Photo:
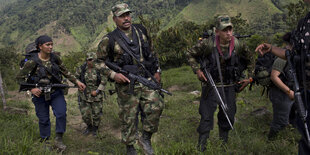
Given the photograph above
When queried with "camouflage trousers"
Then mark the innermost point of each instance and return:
(144, 100)
(91, 112)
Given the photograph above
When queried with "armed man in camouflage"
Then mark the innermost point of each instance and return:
(90, 100)
(111, 48)
(220, 54)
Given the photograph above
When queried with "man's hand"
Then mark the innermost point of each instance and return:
(157, 77)
(291, 94)
(80, 85)
(94, 93)
(244, 83)
(36, 92)
(200, 75)
(263, 48)
(120, 78)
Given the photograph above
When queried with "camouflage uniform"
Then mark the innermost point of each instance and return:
(91, 106)
(30, 71)
(148, 100)
(205, 50)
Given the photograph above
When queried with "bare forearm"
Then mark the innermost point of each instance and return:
(280, 52)
(278, 82)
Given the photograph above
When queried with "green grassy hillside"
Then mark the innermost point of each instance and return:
(81, 22)
(200, 11)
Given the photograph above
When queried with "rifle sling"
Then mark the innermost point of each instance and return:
(215, 52)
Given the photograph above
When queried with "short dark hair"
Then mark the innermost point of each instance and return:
(287, 37)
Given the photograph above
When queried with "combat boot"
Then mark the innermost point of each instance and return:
(272, 135)
(145, 143)
(46, 144)
(223, 134)
(202, 142)
(131, 150)
(59, 142)
(88, 130)
(94, 131)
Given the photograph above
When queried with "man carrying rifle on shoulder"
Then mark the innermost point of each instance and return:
(299, 60)
(222, 57)
(128, 52)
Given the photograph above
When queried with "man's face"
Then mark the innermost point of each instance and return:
(225, 34)
(123, 21)
(90, 63)
(46, 47)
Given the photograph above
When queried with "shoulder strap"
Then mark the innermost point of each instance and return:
(219, 70)
(83, 70)
(111, 44)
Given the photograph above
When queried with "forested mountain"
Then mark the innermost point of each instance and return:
(76, 25)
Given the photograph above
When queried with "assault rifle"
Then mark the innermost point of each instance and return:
(44, 87)
(136, 78)
(222, 104)
(297, 96)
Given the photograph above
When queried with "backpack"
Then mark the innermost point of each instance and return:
(30, 49)
(263, 68)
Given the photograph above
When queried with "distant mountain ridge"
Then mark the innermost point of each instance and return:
(77, 25)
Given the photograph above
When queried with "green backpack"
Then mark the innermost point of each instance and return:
(263, 67)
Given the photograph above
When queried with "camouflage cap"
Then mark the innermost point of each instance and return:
(222, 22)
(120, 9)
(91, 55)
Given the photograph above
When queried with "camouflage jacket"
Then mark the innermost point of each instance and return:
(205, 48)
(102, 52)
(91, 82)
(30, 65)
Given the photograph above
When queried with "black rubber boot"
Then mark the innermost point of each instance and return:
(131, 150)
(59, 142)
(202, 142)
(223, 134)
(88, 130)
(145, 142)
(272, 135)
(94, 131)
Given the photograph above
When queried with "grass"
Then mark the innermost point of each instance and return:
(19, 134)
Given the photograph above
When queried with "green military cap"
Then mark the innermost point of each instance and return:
(222, 22)
(120, 9)
(91, 56)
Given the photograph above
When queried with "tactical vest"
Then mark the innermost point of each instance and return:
(40, 72)
(82, 75)
(231, 67)
(286, 77)
(149, 60)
